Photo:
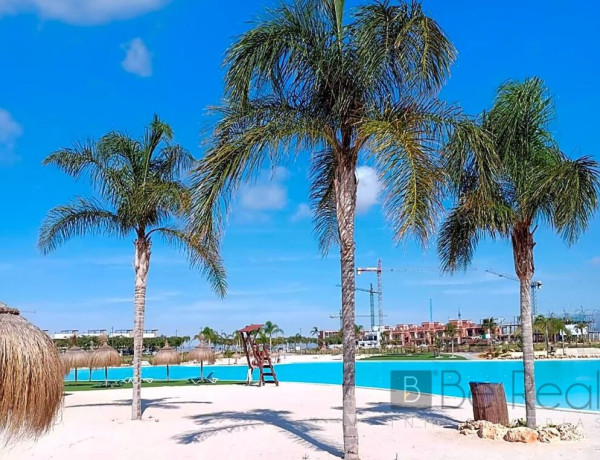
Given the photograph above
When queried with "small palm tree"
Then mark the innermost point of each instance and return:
(315, 333)
(358, 330)
(207, 334)
(305, 78)
(541, 325)
(271, 328)
(139, 193)
(508, 184)
(451, 330)
(580, 327)
(489, 325)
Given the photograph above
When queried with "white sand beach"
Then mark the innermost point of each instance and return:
(292, 421)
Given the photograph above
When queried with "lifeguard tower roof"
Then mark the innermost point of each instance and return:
(251, 328)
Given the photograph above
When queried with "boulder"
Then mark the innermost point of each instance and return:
(492, 431)
(548, 434)
(521, 434)
(570, 432)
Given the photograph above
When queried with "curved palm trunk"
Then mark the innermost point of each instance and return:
(141, 264)
(345, 194)
(522, 240)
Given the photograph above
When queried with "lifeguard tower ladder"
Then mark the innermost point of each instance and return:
(258, 356)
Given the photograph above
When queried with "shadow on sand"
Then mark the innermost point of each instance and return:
(381, 413)
(162, 403)
(303, 430)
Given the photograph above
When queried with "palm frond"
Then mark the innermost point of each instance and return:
(400, 49)
(202, 252)
(244, 139)
(323, 199)
(567, 193)
(81, 217)
(404, 141)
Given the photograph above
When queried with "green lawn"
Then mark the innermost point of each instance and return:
(413, 357)
(87, 386)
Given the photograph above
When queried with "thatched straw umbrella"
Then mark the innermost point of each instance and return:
(75, 358)
(167, 355)
(105, 356)
(202, 353)
(31, 378)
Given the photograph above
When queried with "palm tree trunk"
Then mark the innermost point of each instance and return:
(141, 264)
(270, 342)
(522, 240)
(345, 194)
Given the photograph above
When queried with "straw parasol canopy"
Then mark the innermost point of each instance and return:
(31, 378)
(105, 356)
(202, 354)
(166, 356)
(75, 358)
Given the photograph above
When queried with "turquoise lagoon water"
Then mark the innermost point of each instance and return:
(569, 384)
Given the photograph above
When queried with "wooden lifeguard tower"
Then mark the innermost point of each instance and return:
(258, 356)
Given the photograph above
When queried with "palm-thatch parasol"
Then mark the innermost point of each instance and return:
(75, 358)
(167, 355)
(105, 356)
(202, 353)
(31, 377)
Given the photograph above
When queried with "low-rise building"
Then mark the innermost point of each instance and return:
(65, 334)
(148, 333)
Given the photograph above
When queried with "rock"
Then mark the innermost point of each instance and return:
(548, 434)
(521, 434)
(570, 432)
(492, 431)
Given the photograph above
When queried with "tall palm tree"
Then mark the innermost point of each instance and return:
(506, 189)
(139, 192)
(339, 89)
(271, 328)
(451, 330)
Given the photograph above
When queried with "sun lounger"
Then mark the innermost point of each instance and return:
(130, 380)
(208, 379)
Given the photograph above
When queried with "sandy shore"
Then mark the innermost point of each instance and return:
(292, 421)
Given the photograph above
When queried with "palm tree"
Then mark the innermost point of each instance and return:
(358, 330)
(451, 331)
(540, 325)
(489, 325)
(580, 327)
(207, 334)
(509, 185)
(305, 79)
(139, 192)
(315, 332)
(271, 328)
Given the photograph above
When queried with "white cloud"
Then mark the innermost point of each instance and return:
(81, 12)
(267, 194)
(368, 188)
(303, 211)
(138, 60)
(10, 131)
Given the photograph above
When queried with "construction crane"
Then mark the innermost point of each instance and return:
(378, 270)
(535, 286)
(339, 315)
(371, 292)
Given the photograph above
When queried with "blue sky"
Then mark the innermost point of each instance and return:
(75, 70)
